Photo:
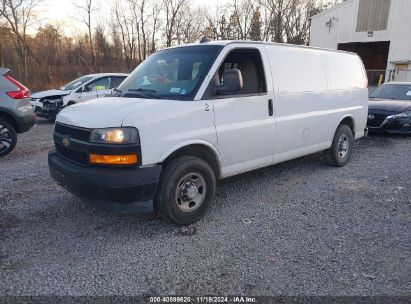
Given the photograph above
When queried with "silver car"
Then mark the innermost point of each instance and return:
(16, 113)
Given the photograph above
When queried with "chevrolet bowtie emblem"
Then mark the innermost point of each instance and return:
(66, 141)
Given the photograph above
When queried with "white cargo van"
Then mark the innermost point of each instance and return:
(193, 114)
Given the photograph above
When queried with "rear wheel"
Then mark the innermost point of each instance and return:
(186, 189)
(342, 146)
(8, 138)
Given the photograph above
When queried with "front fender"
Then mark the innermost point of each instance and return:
(189, 143)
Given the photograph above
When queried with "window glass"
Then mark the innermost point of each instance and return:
(116, 81)
(98, 85)
(75, 83)
(174, 73)
(249, 62)
(393, 91)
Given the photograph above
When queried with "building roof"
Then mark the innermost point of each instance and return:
(337, 6)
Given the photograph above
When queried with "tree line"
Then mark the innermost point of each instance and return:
(134, 30)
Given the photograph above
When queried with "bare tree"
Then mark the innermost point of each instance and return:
(155, 24)
(219, 26)
(190, 24)
(17, 15)
(138, 9)
(126, 25)
(171, 9)
(136, 29)
(87, 7)
(243, 13)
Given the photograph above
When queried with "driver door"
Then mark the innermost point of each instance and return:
(244, 121)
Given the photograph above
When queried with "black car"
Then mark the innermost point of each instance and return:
(389, 108)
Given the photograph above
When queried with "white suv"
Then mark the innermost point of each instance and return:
(47, 104)
(193, 114)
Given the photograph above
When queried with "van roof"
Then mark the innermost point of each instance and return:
(227, 42)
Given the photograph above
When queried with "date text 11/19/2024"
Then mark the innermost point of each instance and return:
(203, 299)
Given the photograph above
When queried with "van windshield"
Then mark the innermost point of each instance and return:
(171, 74)
(75, 83)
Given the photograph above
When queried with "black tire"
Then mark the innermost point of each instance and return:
(8, 138)
(342, 146)
(180, 179)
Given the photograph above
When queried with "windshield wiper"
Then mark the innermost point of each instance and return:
(134, 93)
(147, 93)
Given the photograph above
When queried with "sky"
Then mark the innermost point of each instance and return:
(64, 13)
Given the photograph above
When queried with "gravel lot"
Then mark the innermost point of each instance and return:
(296, 228)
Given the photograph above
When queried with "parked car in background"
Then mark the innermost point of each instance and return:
(16, 113)
(389, 108)
(48, 103)
(193, 114)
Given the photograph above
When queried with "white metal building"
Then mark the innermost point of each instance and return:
(377, 30)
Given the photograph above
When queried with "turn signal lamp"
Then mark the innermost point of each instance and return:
(129, 159)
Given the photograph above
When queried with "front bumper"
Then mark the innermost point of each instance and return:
(46, 109)
(119, 189)
(393, 127)
(390, 125)
(47, 112)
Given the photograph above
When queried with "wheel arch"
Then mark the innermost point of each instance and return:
(9, 117)
(349, 121)
(203, 150)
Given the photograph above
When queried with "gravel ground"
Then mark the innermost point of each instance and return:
(298, 228)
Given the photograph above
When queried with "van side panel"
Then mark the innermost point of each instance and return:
(347, 74)
(308, 108)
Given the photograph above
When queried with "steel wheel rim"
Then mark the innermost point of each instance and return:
(190, 192)
(343, 146)
(5, 138)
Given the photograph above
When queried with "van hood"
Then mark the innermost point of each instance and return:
(105, 112)
(49, 93)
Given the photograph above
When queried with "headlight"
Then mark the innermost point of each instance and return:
(126, 135)
(401, 115)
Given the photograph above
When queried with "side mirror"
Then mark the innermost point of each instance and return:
(232, 82)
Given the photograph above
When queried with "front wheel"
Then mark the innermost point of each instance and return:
(8, 138)
(186, 190)
(342, 146)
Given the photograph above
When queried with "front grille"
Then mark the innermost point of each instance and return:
(73, 132)
(73, 155)
(377, 120)
(81, 134)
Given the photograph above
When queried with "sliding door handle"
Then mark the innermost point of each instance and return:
(270, 107)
